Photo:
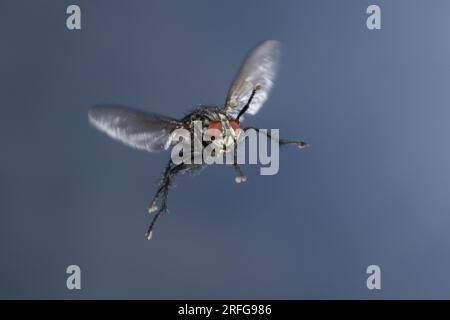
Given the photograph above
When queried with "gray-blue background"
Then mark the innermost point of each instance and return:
(372, 189)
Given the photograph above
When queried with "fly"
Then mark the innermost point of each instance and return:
(153, 132)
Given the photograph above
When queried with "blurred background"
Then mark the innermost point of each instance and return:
(372, 189)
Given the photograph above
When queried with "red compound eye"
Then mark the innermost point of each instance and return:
(235, 125)
(214, 129)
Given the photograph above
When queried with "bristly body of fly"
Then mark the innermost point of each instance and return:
(153, 132)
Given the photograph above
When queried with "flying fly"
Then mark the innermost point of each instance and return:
(153, 132)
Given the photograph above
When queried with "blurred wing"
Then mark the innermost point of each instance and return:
(259, 68)
(137, 129)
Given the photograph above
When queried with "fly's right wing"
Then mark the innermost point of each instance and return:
(258, 70)
(138, 129)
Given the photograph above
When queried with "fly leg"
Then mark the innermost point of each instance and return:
(165, 181)
(299, 143)
(162, 193)
(239, 175)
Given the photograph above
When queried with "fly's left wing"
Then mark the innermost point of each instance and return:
(138, 129)
(258, 71)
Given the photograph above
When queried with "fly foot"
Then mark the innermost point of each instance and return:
(240, 179)
(302, 145)
(152, 207)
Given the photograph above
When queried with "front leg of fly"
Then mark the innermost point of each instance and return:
(234, 132)
(299, 143)
(240, 177)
